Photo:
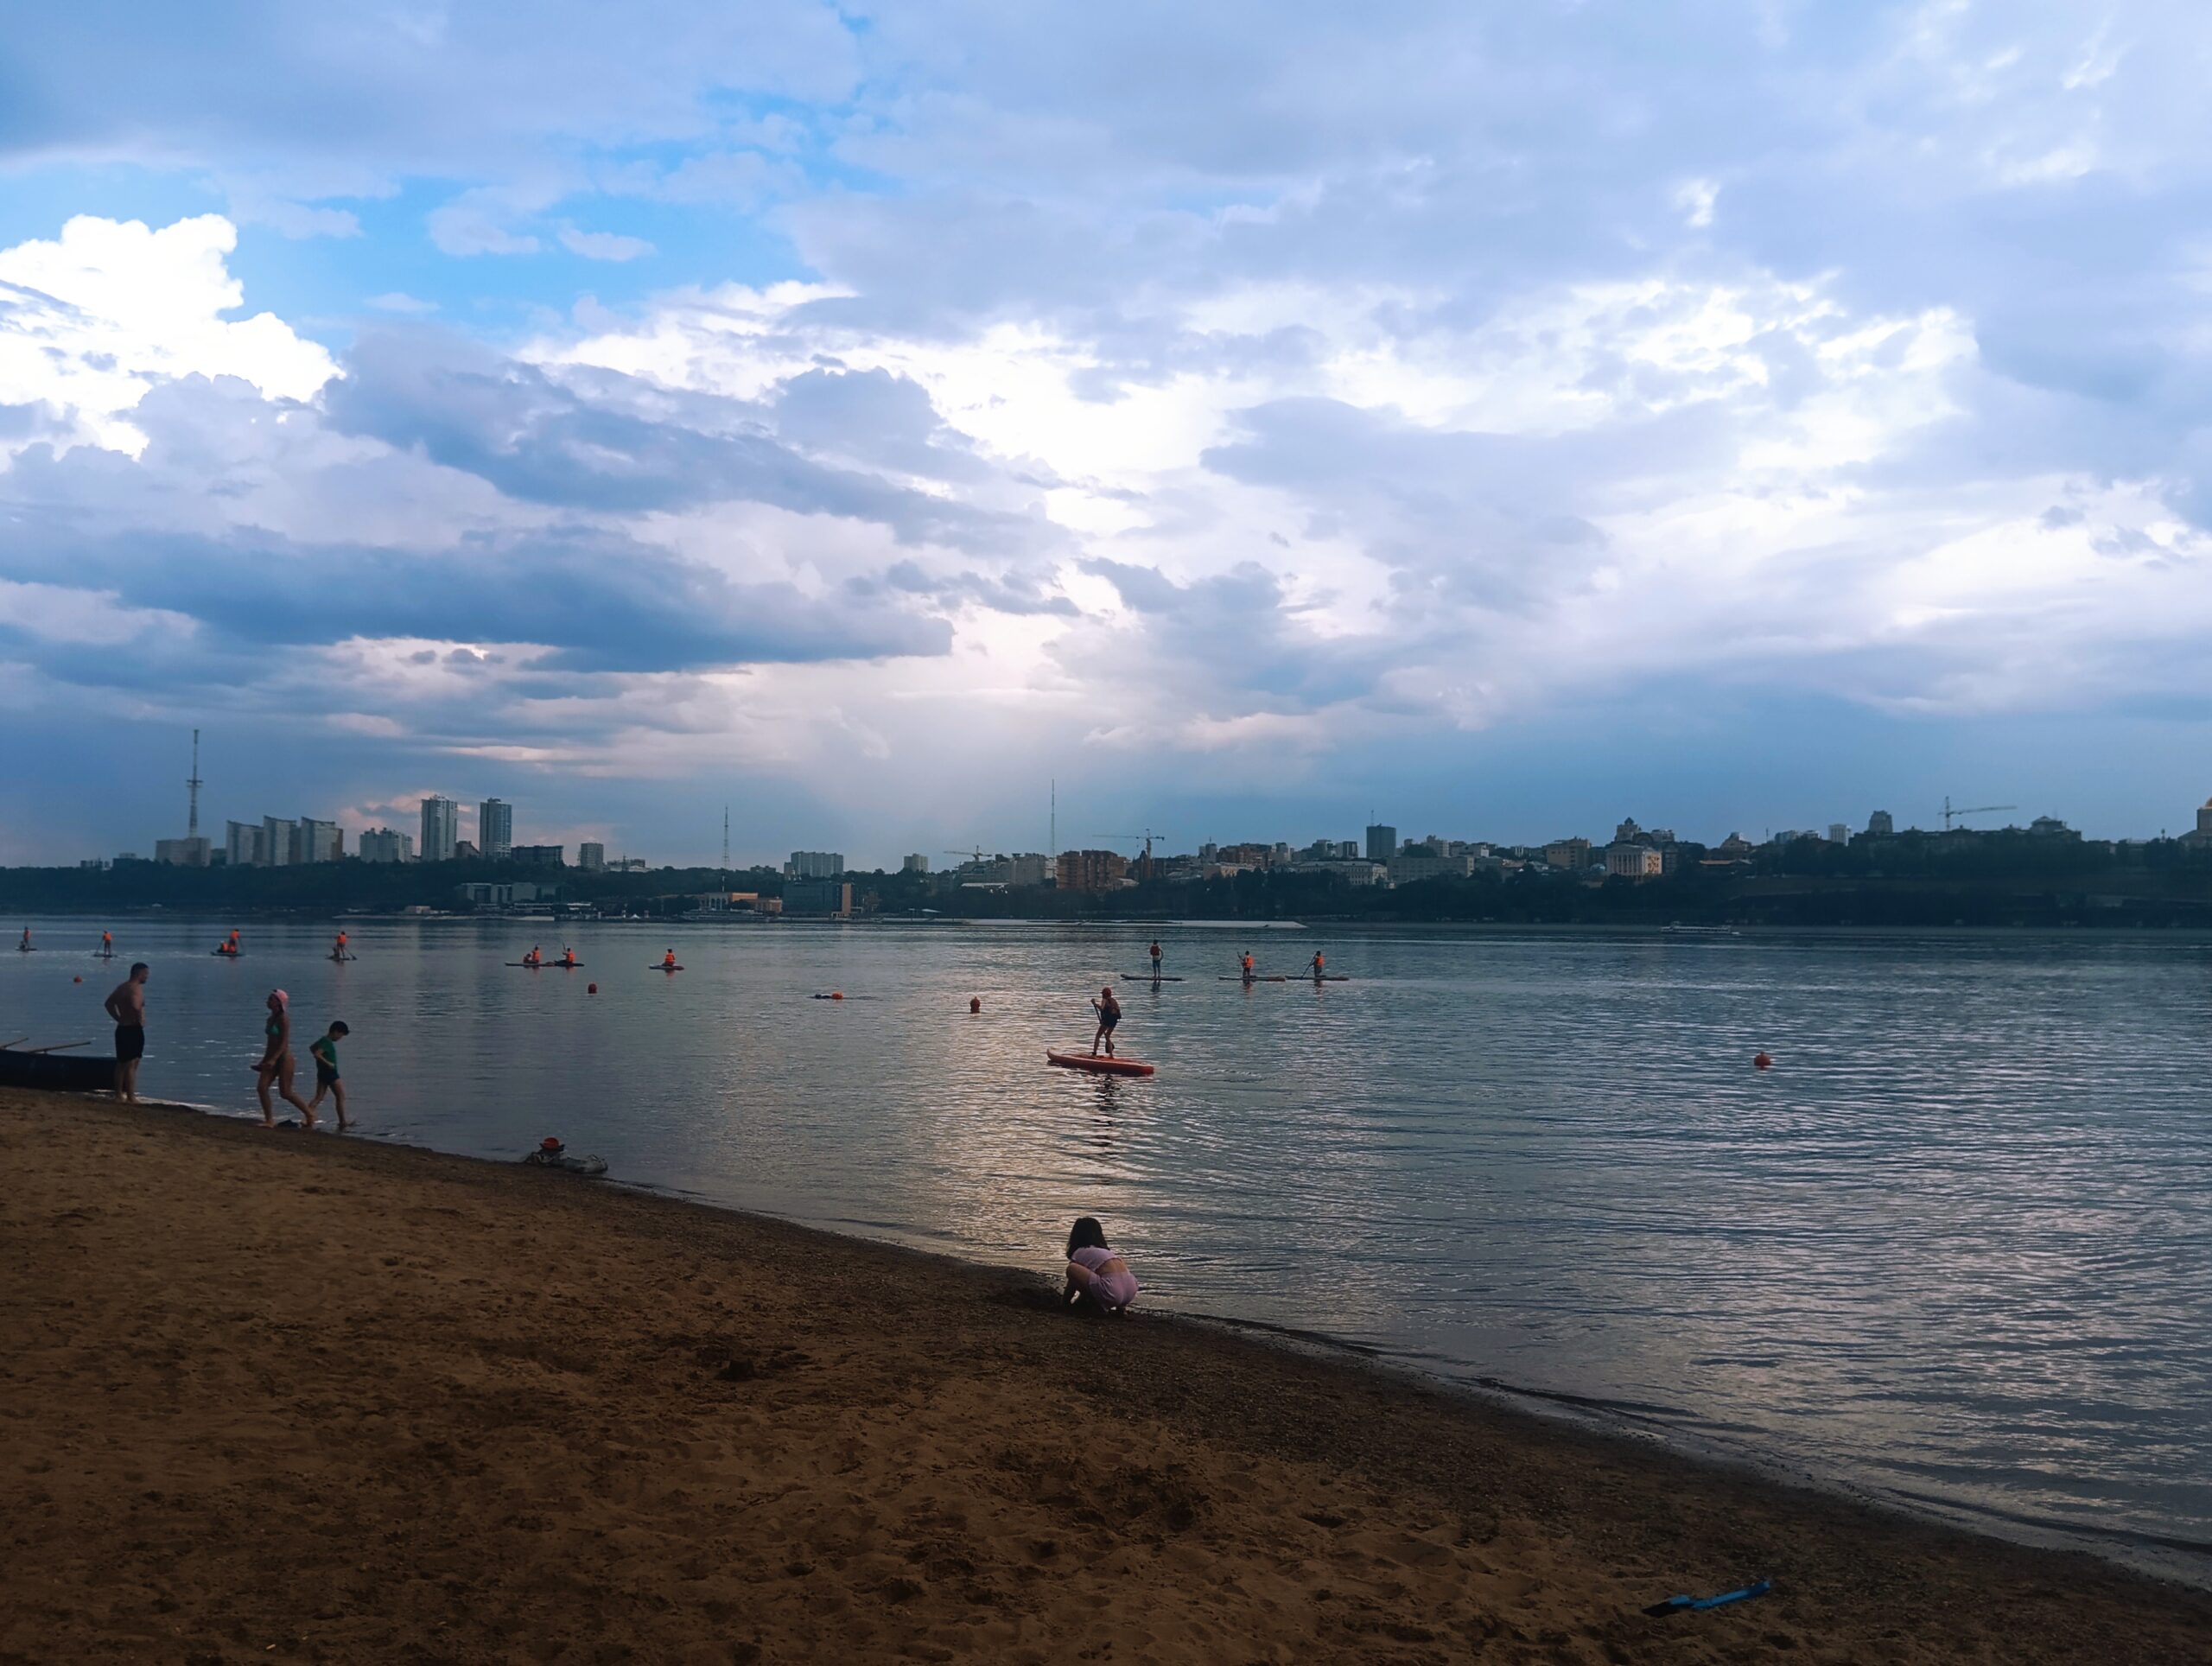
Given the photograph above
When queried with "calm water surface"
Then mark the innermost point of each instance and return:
(1954, 1249)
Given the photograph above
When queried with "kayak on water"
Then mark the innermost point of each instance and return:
(1149, 978)
(1105, 1064)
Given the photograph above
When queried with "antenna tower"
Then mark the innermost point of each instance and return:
(192, 790)
(1053, 838)
(725, 847)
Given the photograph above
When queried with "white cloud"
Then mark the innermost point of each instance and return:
(603, 246)
(397, 300)
(91, 321)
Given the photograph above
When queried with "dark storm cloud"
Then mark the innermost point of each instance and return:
(542, 440)
(598, 601)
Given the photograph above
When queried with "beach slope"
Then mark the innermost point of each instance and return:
(280, 1397)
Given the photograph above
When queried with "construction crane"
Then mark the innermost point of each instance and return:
(1147, 836)
(976, 855)
(1951, 815)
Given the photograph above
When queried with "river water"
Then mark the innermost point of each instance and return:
(1954, 1249)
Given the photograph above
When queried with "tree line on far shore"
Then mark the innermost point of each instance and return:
(1980, 880)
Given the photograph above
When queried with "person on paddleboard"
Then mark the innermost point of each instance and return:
(1247, 965)
(107, 944)
(1109, 1014)
(1315, 967)
(25, 945)
(533, 958)
(668, 961)
(1155, 960)
(568, 956)
(338, 949)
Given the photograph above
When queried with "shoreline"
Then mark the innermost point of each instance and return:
(1236, 1477)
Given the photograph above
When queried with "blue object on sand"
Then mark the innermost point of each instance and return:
(1688, 1605)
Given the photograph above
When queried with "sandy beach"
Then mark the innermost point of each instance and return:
(270, 1396)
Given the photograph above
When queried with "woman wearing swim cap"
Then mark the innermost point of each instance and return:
(276, 1065)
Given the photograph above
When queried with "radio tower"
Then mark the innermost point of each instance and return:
(1053, 838)
(725, 853)
(192, 790)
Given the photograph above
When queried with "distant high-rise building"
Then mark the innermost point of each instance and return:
(277, 833)
(1839, 834)
(916, 863)
(1881, 825)
(819, 897)
(592, 857)
(1092, 870)
(242, 845)
(318, 841)
(182, 853)
(440, 828)
(540, 856)
(382, 844)
(495, 828)
(1382, 842)
(816, 864)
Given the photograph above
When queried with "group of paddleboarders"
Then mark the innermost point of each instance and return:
(568, 960)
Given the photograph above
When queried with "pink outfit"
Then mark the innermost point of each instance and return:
(1119, 1289)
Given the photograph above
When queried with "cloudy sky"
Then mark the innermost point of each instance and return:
(1736, 414)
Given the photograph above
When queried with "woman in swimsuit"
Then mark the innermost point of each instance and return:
(277, 1064)
(1096, 1275)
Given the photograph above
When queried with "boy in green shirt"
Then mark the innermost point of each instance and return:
(325, 1049)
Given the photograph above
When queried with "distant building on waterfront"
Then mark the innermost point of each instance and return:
(540, 856)
(382, 844)
(1570, 855)
(591, 857)
(440, 828)
(916, 863)
(830, 897)
(242, 845)
(1427, 863)
(464, 850)
(495, 828)
(278, 836)
(504, 894)
(1881, 825)
(317, 841)
(815, 864)
(1382, 842)
(1090, 871)
(1634, 861)
(1839, 834)
(182, 853)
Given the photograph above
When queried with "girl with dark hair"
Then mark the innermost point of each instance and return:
(1098, 1275)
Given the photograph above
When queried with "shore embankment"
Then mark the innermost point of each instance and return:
(274, 1396)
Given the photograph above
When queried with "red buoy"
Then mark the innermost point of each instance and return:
(974, 1003)
(591, 989)
(1760, 1061)
(76, 980)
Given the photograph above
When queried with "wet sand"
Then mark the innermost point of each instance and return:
(274, 1396)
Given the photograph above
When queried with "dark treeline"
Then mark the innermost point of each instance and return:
(1999, 879)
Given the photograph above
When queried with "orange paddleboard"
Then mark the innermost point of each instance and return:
(1099, 1062)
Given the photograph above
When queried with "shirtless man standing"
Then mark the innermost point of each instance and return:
(127, 1007)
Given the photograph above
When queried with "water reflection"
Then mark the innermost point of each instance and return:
(1954, 1245)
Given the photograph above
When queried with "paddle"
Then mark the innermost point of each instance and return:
(1690, 1605)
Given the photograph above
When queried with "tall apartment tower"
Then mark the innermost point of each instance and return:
(441, 829)
(1382, 842)
(495, 830)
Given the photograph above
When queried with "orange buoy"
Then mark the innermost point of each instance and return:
(836, 994)
(1760, 1061)
(974, 1003)
(591, 989)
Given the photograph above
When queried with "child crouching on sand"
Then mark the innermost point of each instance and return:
(325, 1049)
(1097, 1277)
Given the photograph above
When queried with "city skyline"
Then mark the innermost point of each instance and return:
(439, 818)
(1792, 410)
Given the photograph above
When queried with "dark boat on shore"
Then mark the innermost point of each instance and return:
(59, 1073)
